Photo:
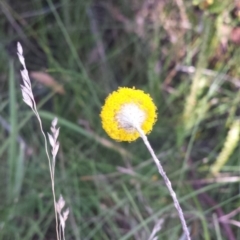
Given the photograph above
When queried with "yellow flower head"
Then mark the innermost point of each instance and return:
(125, 110)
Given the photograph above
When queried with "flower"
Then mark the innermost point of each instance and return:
(125, 110)
(129, 113)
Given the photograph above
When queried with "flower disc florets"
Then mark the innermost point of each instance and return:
(126, 109)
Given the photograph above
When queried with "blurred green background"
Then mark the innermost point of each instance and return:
(185, 54)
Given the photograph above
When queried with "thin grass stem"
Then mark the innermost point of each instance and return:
(30, 101)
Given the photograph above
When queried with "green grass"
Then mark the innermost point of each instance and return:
(113, 189)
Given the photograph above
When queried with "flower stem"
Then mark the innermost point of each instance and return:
(167, 182)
